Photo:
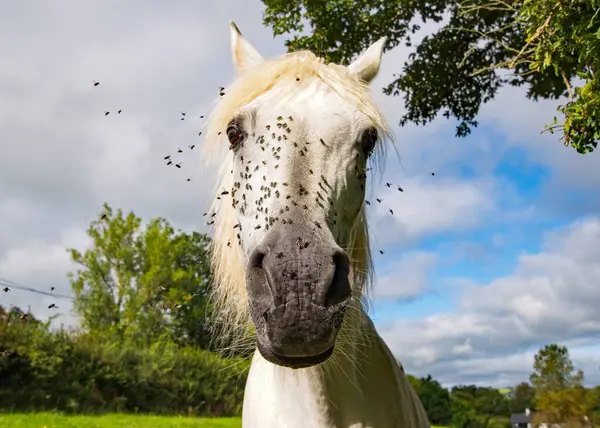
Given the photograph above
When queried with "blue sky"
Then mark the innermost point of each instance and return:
(537, 190)
(515, 171)
(485, 262)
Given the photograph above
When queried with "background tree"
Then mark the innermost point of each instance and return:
(45, 369)
(476, 406)
(141, 283)
(436, 401)
(463, 411)
(142, 293)
(593, 404)
(415, 382)
(553, 370)
(566, 406)
(189, 294)
(484, 46)
(559, 394)
(489, 401)
(522, 398)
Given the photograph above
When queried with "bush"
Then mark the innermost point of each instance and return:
(72, 372)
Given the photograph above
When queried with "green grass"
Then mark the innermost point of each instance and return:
(57, 420)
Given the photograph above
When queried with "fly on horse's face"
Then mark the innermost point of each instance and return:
(299, 160)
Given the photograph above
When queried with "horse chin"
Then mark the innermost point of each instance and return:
(294, 362)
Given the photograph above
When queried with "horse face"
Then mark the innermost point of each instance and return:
(299, 162)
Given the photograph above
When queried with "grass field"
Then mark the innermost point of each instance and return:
(56, 420)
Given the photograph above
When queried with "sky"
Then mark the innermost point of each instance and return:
(484, 262)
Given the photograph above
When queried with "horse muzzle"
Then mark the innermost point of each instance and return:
(298, 283)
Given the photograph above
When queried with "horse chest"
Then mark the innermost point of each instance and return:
(276, 397)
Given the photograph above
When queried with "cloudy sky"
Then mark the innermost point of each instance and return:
(485, 262)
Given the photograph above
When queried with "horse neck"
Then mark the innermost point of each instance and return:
(361, 385)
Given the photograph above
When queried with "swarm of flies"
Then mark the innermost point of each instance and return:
(106, 113)
(276, 134)
(270, 143)
(168, 159)
(169, 162)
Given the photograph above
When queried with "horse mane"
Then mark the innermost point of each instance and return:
(298, 70)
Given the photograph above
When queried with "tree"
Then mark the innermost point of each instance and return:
(522, 398)
(436, 401)
(475, 406)
(415, 382)
(560, 396)
(553, 370)
(192, 321)
(562, 406)
(489, 401)
(463, 412)
(593, 403)
(485, 45)
(141, 283)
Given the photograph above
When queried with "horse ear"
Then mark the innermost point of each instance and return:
(366, 66)
(244, 54)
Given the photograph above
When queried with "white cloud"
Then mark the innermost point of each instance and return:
(61, 158)
(552, 296)
(554, 290)
(429, 206)
(463, 349)
(43, 266)
(522, 122)
(407, 278)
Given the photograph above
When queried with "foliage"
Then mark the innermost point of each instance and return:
(474, 406)
(414, 382)
(489, 401)
(484, 46)
(143, 297)
(55, 420)
(143, 283)
(593, 403)
(556, 407)
(522, 398)
(572, 44)
(485, 400)
(75, 372)
(435, 399)
(562, 38)
(559, 393)
(553, 370)
(464, 414)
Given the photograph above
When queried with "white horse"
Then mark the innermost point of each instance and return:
(291, 259)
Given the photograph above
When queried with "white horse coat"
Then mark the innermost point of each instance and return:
(290, 250)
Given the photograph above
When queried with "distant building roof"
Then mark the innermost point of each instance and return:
(520, 418)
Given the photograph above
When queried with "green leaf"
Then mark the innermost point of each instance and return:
(455, 70)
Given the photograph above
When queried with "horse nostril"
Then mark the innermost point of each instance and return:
(339, 289)
(256, 258)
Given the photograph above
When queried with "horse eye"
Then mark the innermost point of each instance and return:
(369, 139)
(234, 135)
